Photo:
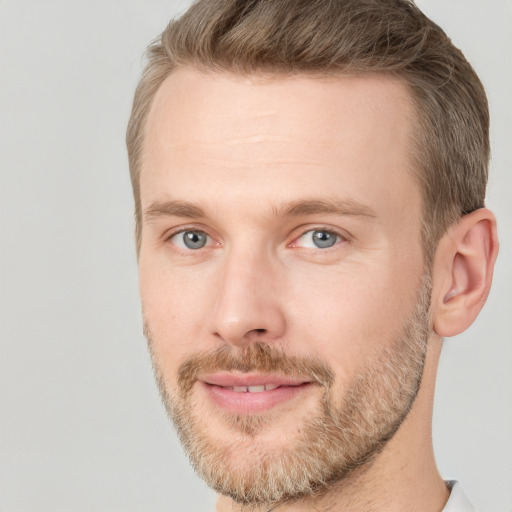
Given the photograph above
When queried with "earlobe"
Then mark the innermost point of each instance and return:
(463, 271)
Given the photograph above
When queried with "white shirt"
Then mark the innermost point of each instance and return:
(457, 502)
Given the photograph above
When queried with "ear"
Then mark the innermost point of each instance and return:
(462, 273)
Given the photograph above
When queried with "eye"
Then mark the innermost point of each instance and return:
(318, 239)
(190, 239)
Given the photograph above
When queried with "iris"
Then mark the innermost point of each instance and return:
(194, 239)
(323, 239)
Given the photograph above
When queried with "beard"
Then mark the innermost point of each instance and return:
(332, 446)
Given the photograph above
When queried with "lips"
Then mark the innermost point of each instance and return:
(227, 380)
(247, 394)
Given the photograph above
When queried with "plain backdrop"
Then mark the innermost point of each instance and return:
(81, 424)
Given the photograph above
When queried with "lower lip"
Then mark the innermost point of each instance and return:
(247, 403)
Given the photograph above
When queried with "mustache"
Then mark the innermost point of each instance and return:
(255, 357)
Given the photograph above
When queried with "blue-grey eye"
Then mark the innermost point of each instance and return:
(194, 239)
(323, 239)
(190, 239)
(318, 239)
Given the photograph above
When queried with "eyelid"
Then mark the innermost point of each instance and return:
(168, 233)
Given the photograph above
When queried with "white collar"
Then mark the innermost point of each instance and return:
(457, 502)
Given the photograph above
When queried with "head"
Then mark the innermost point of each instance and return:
(297, 169)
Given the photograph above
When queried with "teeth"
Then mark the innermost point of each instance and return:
(256, 389)
(253, 389)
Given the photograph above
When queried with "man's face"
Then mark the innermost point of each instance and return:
(281, 274)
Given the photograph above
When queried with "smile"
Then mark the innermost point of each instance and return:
(251, 393)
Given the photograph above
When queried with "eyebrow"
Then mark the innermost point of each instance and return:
(159, 209)
(345, 207)
(296, 208)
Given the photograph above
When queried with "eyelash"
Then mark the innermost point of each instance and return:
(340, 238)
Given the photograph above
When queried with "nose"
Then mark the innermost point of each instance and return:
(247, 304)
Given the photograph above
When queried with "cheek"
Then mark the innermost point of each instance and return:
(173, 312)
(347, 317)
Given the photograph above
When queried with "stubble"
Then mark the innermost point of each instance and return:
(338, 441)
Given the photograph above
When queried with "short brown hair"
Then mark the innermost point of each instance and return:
(336, 37)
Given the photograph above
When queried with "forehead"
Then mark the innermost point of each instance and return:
(193, 101)
(281, 136)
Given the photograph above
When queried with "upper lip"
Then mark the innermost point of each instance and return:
(231, 380)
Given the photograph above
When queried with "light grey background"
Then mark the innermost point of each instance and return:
(81, 426)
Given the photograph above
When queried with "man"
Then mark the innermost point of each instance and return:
(309, 179)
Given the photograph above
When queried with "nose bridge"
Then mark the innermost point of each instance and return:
(247, 304)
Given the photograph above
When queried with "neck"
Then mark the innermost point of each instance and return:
(403, 477)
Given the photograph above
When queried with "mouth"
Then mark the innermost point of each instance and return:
(250, 394)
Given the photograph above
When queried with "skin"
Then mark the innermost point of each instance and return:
(242, 149)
